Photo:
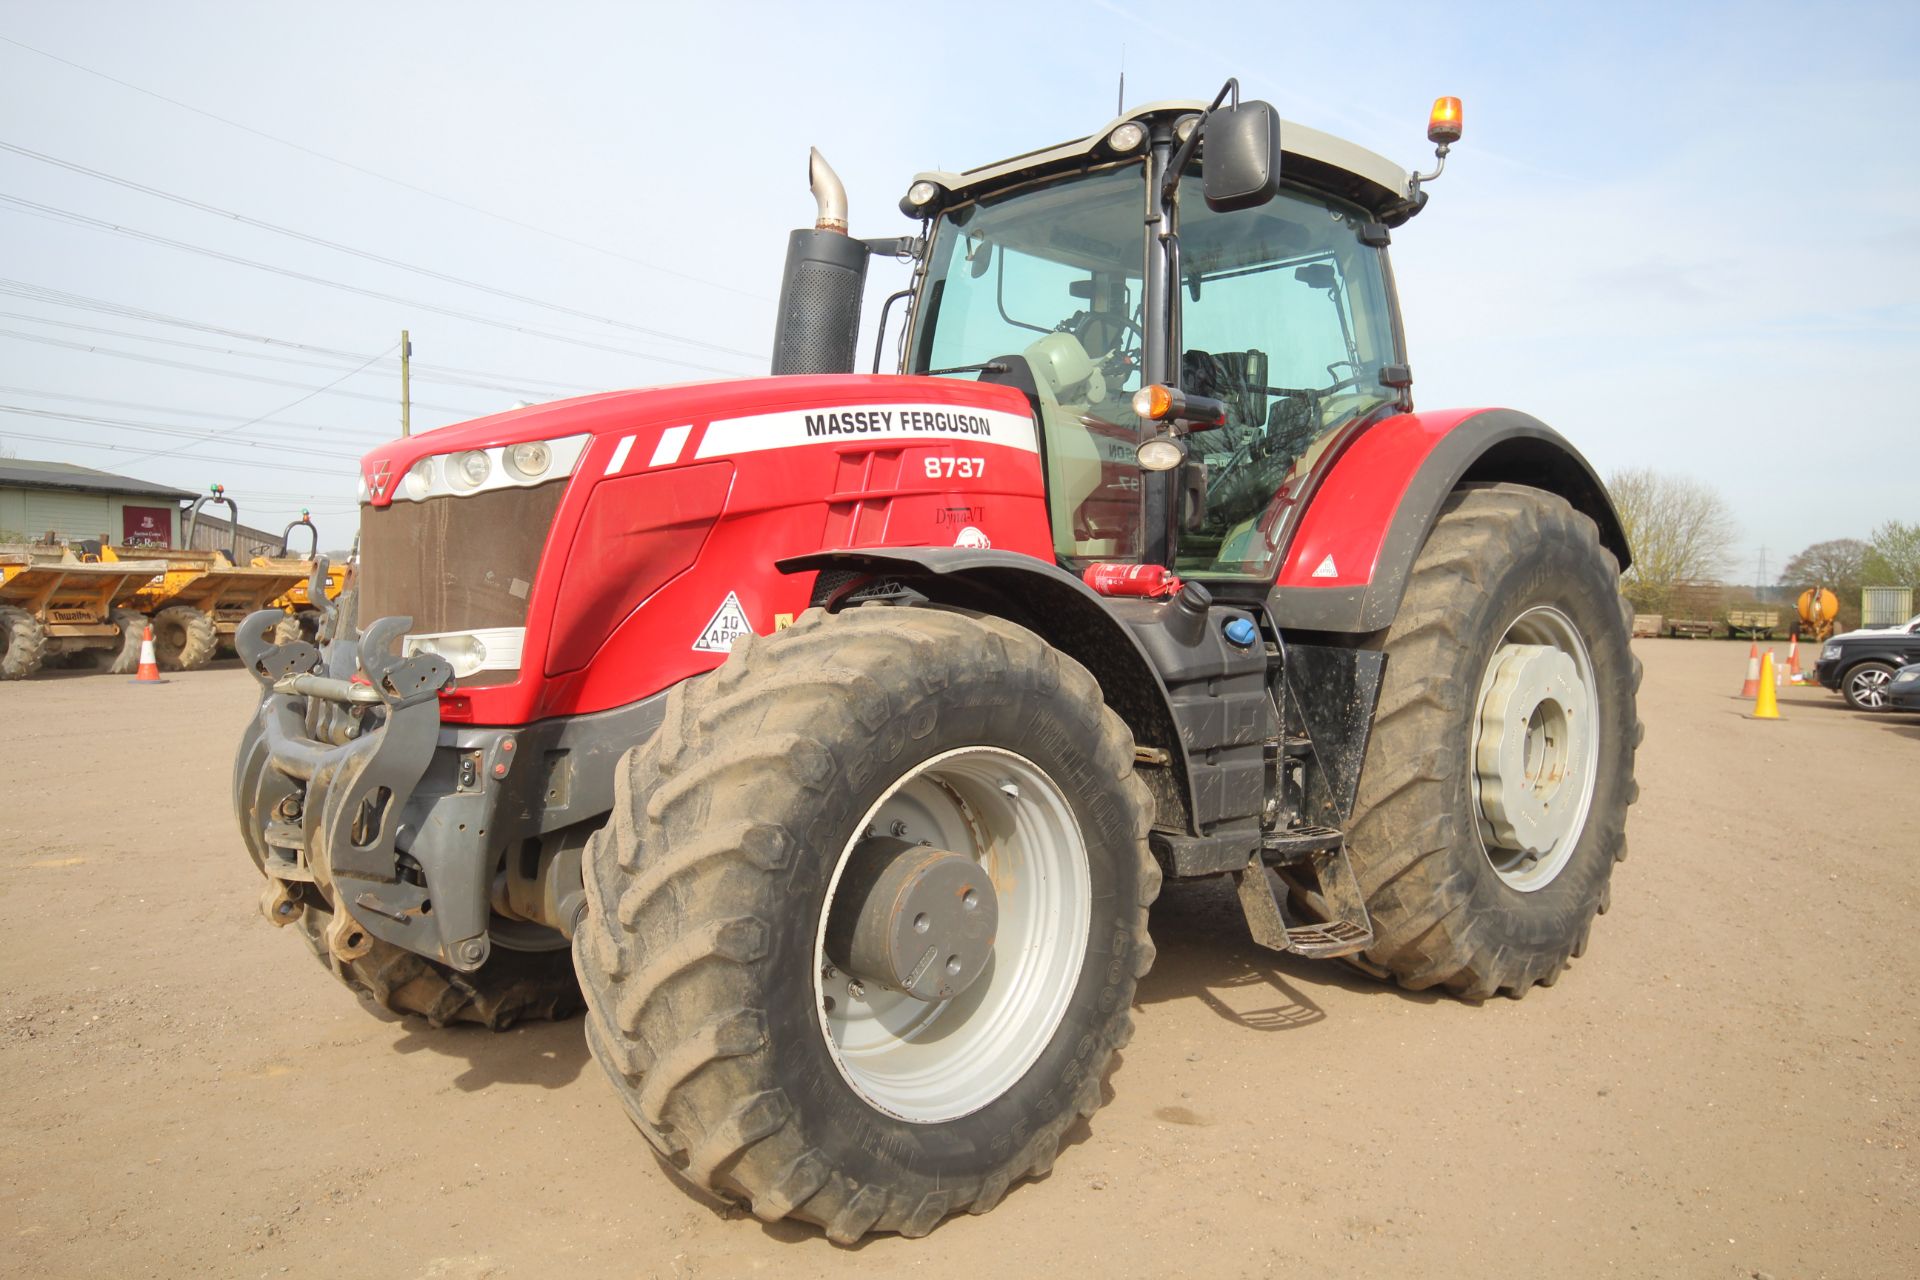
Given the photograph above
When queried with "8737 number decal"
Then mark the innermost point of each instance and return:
(948, 468)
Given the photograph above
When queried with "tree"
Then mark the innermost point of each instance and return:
(1835, 564)
(1680, 530)
(1893, 556)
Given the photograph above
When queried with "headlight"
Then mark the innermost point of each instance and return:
(491, 649)
(469, 470)
(1127, 137)
(1830, 652)
(362, 493)
(1907, 677)
(529, 461)
(1162, 453)
(512, 466)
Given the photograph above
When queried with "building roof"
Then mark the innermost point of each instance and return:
(23, 473)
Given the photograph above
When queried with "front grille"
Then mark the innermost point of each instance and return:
(456, 563)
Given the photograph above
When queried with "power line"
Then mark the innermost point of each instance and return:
(167, 429)
(71, 443)
(225, 373)
(56, 214)
(369, 256)
(227, 431)
(81, 302)
(258, 355)
(369, 432)
(388, 178)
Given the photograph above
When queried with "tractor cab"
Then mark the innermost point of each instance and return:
(1040, 272)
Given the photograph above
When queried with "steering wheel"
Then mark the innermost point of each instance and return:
(1123, 357)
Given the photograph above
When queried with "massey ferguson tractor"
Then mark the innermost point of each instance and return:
(830, 733)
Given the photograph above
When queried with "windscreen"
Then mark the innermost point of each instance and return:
(1285, 318)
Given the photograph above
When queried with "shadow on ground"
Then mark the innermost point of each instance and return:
(1206, 954)
(549, 1055)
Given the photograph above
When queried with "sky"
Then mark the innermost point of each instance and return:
(1683, 235)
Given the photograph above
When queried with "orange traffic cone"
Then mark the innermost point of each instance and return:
(149, 666)
(1752, 686)
(1794, 673)
(1766, 706)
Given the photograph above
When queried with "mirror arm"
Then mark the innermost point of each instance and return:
(1192, 144)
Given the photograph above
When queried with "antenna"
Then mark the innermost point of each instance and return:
(1120, 102)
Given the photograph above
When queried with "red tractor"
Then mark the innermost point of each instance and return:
(831, 733)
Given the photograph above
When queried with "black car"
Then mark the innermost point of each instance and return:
(1861, 664)
(1903, 691)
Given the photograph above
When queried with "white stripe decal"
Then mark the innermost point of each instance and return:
(835, 424)
(672, 441)
(619, 458)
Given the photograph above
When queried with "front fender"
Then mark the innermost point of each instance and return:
(1063, 610)
(1347, 565)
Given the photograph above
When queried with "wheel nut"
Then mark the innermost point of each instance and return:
(857, 990)
(898, 828)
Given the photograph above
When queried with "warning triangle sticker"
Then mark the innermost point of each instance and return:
(728, 624)
(1326, 569)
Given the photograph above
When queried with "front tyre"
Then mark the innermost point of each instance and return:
(1868, 687)
(1494, 798)
(787, 972)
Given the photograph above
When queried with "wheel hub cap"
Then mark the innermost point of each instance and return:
(913, 918)
(1532, 753)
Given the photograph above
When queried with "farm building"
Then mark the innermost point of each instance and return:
(80, 504)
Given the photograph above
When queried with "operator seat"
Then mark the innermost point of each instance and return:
(1068, 383)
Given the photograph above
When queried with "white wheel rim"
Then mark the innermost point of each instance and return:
(1534, 749)
(931, 1062)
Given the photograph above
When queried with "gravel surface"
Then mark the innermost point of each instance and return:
(1725, 1086)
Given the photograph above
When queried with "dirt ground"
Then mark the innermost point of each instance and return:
(1725, 1086)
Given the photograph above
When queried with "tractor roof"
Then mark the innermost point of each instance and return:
(1313, 158)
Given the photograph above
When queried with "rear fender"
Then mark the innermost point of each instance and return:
(1062, 610)
(1346, 567)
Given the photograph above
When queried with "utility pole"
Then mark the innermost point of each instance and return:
(406, 393)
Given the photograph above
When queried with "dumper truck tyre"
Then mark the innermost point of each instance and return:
(125, 659)
(1493, 802)
(183, 638)
(834, 796)
(23, 644)
(511, 987)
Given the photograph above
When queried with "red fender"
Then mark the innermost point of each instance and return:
(1346, 565)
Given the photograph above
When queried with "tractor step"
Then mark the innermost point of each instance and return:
(1350, 931)
(1296, 843)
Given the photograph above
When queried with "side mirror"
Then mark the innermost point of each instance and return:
(1240, 157)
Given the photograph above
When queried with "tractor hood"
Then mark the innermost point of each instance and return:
(577, 556)
(688, 407)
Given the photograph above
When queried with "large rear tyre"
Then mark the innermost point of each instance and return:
(767, 1062)
(23, 644)
(183, 638)
(512, 986)
(1494, 798)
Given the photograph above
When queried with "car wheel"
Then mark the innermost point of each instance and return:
(1865, 686)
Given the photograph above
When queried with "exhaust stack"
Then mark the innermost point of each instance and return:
(818, 326)
(828, 193)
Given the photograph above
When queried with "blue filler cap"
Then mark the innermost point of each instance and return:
(1241, 631)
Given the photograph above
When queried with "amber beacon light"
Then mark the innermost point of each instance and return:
(1443, 122)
